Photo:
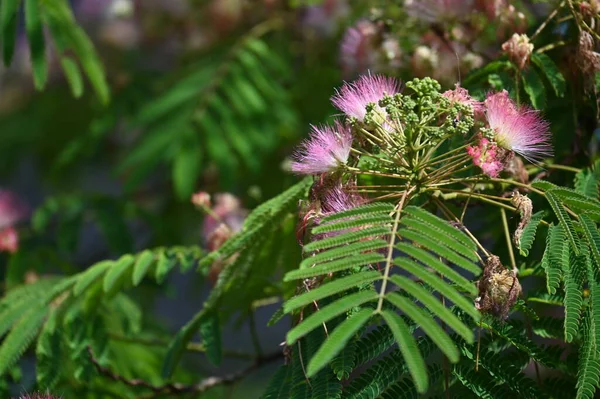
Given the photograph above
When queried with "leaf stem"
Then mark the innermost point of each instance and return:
(388, 261)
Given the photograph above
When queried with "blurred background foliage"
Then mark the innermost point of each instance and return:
(114, 112)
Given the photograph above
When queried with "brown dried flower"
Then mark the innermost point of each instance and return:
(499, 289)
(587, 59)
(525, 208)
(518, 49)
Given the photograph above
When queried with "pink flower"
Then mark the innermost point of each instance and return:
(327, 148)
(201, 199)
(357, 50)
(438, 10)
(353, 98)
(518, 129)
(487, 156)
(338, 199)
(227, 213)
(461, 95)
(9, 240)
(12, 209)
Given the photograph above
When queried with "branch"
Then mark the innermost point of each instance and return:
(176, 387)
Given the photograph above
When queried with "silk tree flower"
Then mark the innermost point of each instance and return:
(433, 11)
(339, 199)
(517, 129)
(357, 49)
(462, 96)
(352, 99)
(327, 148)
(12, 209)
(487, 156)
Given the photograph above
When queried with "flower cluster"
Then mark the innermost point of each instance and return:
(519, 49)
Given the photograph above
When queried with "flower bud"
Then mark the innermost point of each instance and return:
(518, 49)
(201, 199)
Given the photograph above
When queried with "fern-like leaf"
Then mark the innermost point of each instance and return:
(564, 219)
(528, 235)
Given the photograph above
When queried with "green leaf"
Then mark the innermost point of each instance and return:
(344, 251)
(592, 237)
(73, 75)
(550, 70)
(433, 305)
(9, 11)
(331, 288)
(367, 220)
(328, 312)
(142, 264)
(88, 277)
(337, 340)
(179, 343)
(114, 274)
(434, 263)
(440, 225)
(427, 324)
(186, 169)
(345, 238)
(363, 211)
(164, 265)
(409, 349)
(48, 354)
(481, 74)
(578, 202)
(18, 340)
(210, 331)
(35, 36)
(528, 235)
(279, 385)
(555, 257)
(563, 218)
(440, 250)
(573, 295)
(534, 87)
(439, 285)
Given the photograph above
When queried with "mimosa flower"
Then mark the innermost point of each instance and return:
(518, 129)
(327, 148)
(487, 156)
(462, 96)
(352, 99)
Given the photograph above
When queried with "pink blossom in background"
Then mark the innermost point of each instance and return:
(518, 129)
(12, 209)
(226, 214)
(9, 240)
(353, 98)
(462, 96)
(357, 50)
(323, 19)
(327, 148)
(438, 10)
(487, 156)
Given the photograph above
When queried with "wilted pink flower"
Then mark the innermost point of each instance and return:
(487, 156)
(12, 209)
(438, 10)
(9, 240)
(518, 49)
(353, 98)
(338, 199)
(327, 148)
(462, 96)
(518, 129)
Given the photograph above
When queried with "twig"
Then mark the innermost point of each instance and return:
(511, 254)
(176, 387)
